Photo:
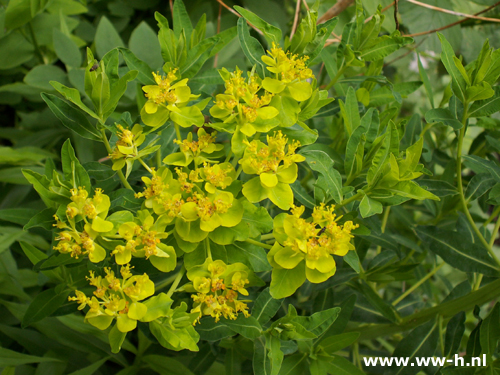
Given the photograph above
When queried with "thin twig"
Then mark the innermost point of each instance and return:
(295, 19)
(305, 4)
(382, 11)
(218, 31)
(460, 14)
(396, 3)
(171, 3)
(335, 10)
(239, 15)
(454, 23)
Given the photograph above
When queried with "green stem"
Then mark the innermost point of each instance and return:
(417, 284)
(176, 282)
(266, 237)
(178, 132)
(158, 158)
(441, 334)
(336, 78)
(257, 243)
(165, 283)
(229, 156)
(494, 233)
(108, 148)
(145, 165)
(493, 215)
(461, 188)
(448, 309)
(355, 197)
(209, 253)
(384, 224)
(35, 43)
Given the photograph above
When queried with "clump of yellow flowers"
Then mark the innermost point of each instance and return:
(308, 245)
(198, 200)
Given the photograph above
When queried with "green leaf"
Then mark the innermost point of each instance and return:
(486, 107)
(188, 116)
(271, 33)
(246, 327)
(116, 339)
(320, 321)
(12, 358)
(421, 342)
(89, 370)
(16, 50)
(40, 76)
(410, 189)
(300, 194)
(341, 366)
(458, 251)
(66, 49)
(425, 79)
(369, 207)
(253, 256)
(257, 218)
(73, 170)
(490, 331)
(144, 75)
(444, 116)
(458, 82)
(478, 186)
(144, 44)
(335, 343)
(330, 179)
(175, 338)
(71, 117)
(44, 304)
(19, 216)
(209, 330)
(350, 111)
(261, 362)
(181, 20)
(166, 365)
(377, 302)
(250, 46)
(480, 165)
(285, 282)
(106, 37)
(454, 332)
(383, 46)
(265, 306)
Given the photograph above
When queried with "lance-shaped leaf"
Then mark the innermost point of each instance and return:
(458, 251)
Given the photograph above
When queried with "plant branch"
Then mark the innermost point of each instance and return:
(494, 233)
(460, 14)
(448, 309)
(461, 188)
(417, 284)
(335, 10)
(454, 23)
(295, 19)
(237, 14)
(257, 243)
(396, 3)
(176, 282)
(216, 58)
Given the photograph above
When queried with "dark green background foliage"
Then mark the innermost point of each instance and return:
(423, 280)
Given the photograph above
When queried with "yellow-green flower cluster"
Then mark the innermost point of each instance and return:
(126, 148)
(276, 167)
(217, 288)
(116, 298)
(168, 99)
(290, 72)
(194, 200)
(241, 108)
(143, 239)
(93, 212)
(200, 150)
(312, 241)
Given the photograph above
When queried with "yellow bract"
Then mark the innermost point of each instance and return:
(313, 241)
(217, 286)
(116, 298)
